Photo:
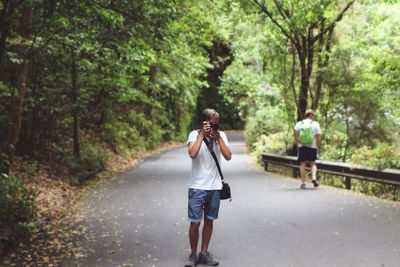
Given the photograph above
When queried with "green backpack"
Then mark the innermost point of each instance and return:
(306, 135)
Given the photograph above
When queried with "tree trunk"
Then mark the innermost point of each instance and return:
(16, 104)
(305, 54)
(322, 62)
(75, 107)
(220, 57)
(293, 78)
(5, 19)
(305, 84)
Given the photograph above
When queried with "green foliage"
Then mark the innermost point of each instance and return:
(139, 66)
(17, 206)
(124, 139)
(86, 165)
(266, 121)
(277, 143)
(333, 145)
(382, 156)
(359, 106)
(6, 94)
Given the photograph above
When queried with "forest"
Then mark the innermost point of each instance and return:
(83, 83)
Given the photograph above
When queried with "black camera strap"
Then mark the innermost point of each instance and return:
(214, 156)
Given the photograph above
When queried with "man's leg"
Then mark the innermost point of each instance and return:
(194, 236)
(313, 170)
(206, 235)
(314, 173)
(303, 171)
(204, 256)
(211, 210)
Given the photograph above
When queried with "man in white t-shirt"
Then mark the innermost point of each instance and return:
(205, 184)
(308, 152)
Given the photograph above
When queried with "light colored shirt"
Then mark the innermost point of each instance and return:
(205, 173)
(315, 128)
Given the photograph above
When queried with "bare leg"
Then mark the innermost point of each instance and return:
(194, 236)
(313, 170)
(206, 235)
(303, 171)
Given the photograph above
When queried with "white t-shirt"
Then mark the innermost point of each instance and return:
(314, 127)
(205, 173)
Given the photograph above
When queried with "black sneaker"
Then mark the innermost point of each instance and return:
(206, 258)
(303, 186)
(315, 183)
(192, 261)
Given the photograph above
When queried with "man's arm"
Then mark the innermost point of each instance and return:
(318, 140)
(296, 137)
(318, 136)
(226, 152)
(194, 147)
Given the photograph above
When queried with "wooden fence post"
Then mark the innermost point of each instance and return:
(295, 172)
(347, 182)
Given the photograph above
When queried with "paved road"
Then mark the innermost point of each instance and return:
(140, 220)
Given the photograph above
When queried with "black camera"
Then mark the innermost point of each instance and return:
(214, 126)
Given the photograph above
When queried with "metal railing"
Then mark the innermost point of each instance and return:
(348, 171)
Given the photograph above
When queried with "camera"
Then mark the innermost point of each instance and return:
(214, 126)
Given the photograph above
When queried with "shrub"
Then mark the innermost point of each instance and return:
(266, 121)
(86, 165)
(274, 143)
(382, 156)
(133, 134)
(124, 138)
(17, 211)
(16, 200)
(334, 145)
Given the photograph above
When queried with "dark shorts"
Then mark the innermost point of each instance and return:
(200, 201)
(307, 154)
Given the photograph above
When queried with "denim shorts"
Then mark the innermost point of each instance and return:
(203, 200)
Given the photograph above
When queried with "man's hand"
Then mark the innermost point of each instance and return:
(214, 134)
(206, 129)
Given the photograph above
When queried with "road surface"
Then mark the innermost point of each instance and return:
(140, 219)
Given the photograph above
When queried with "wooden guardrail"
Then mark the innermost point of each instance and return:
(348, 171)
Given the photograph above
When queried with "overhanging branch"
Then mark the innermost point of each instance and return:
(332, 24)
(272, 18)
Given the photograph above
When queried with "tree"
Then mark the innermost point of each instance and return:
(305, 24)
(18, 81)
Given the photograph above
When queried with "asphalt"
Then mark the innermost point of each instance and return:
(140, 219)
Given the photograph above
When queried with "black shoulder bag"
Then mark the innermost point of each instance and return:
(226, 190)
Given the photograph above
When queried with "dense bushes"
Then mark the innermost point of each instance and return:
(382, 156)
(17, 209)
(16, 201)
(265, 121)
(85, 166)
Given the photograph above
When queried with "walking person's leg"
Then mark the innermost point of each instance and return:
(302, 158)
(314, 173)
(303, 173)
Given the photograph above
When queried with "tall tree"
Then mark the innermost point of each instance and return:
(18, 82)
(305, 24)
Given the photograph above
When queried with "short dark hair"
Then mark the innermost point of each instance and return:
(208, 113)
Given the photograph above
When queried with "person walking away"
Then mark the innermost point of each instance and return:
(307, 137)
(205, 184)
